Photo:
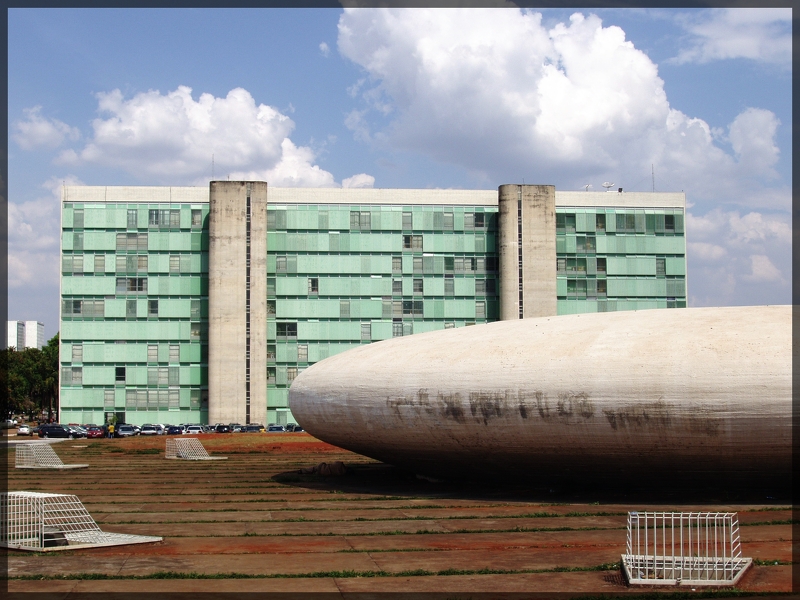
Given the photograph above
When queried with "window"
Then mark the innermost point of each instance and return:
(287, 331)
(661, 267)
(280, 264)
(174, 264)
(449, 325)
(77, 263)
(322, 220)
(417, 264)
(397, 264)
(313, 285)
(397, 328)
(131, 285)
(600, 222)
(601, 288)
(77, 241)
(131, 241)
(418, 286)
(82, 308)
(448, 221)
(480, 286)
(591, 244)
(449, 264)
(133, 218)
(130, 309)
(412, 308)
(77, 353)
(271, 351)
(270, 286)
(397, 287)
(174, 353)
(77, 218)
(276, 219)
(174, 400)
(195, 332)
(449, 285)
(480, 310)
(366, 331)
(108, 398)
(271, 375)
(408, 221)
(491, 286)
(174, 375)
(152, 354)
(412, 242)
(480, 220)
(197, 218)
(580, 244)
(165, 219)
(469, 220)
(195, 308)
(561, 265)
(119, 374)
(72, 375)
(302, 353)
(601, 265)
(365, 219)
(344, 309)
(271, 308)
(669, 223)
(152, 308)
(360, 220)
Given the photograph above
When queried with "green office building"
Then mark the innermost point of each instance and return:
(197, 305)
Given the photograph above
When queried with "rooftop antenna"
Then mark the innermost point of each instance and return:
(608, 185)
(586, 187)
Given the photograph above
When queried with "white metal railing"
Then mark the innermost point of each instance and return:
(188, 449)
(40, 456)
(697, 548)
(41, 522)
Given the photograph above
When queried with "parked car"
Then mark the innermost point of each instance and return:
(95, 432)
(222, 428)
(275, 428)
(235, 427)
(79, 431)
(253, 428)
(54, 430)
(174, 430)
(124, 431)
(149, 430)
(293, 427)
(136, 429)
(195, 429)
(24, 430)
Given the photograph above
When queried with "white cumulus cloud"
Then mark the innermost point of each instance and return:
(362, 180)
(36, 131)
(172, 138)
(759, 34)
(324, 49)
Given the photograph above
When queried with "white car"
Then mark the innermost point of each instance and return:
(23, 430)
(194, 429)
(149, 430)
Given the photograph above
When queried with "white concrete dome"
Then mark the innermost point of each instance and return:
(705, 391)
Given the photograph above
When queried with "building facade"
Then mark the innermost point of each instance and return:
(189, 305)
(25, 334)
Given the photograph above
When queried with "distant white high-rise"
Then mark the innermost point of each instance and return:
(25, 334)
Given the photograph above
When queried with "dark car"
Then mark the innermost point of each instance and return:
(174, 430)
(222, 428)
(294, 428)
(274, 428)
(254, 428)
(55, 430)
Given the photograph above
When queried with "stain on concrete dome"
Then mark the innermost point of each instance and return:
(698, 392)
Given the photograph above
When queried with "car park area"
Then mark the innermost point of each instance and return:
(265, 520)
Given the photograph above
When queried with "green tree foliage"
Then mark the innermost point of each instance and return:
(30, 380)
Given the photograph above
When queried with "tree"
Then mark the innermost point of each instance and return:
(30, 379)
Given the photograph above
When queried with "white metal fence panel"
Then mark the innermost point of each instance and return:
(40, 456)
(188, 449)
(691, 548)
(42, 522)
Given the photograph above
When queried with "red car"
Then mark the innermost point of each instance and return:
(95, 432)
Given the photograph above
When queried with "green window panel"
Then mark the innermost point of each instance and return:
(271, 330)
(408, 264)
(616, 286)
(99, 240)
(584, 222)
(381, 330)
(611, 222)
(98, 375)
(277, 399)
(158, 241)
(66, 216)
(438, 309)
(185, 399)
(158, 263)
(433, 287)
(561, 244)
(669, 244)
(458, 219)
(676, 265)
(66, 352)
(135, 375)
(676, 288)
(310, 330)
(192, 375)
(186, 217)
(464, 286)
(190, 353)
(571, 244)
(561, 286)
(94, 217)
(293, 286)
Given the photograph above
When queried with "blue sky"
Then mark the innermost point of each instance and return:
(411, 98)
